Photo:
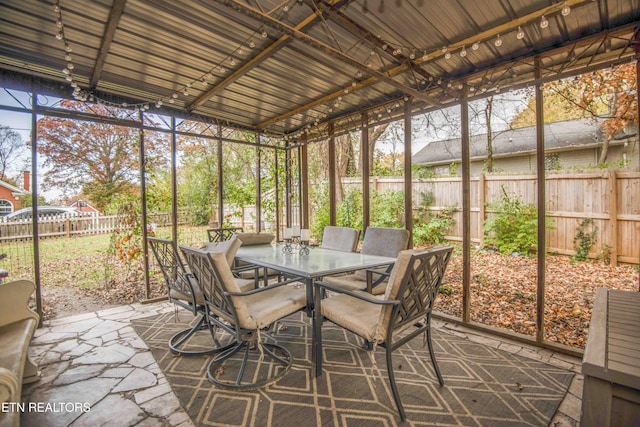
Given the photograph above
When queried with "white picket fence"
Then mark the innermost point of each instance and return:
(51, 226)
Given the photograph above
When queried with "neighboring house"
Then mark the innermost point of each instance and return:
(568, 144)
(83, 206)
(10, 196)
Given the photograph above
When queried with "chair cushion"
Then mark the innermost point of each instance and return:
(176, 294)
(249, 239)
(356, 315)
(262, 308)
(14, 341)
(266, 307)
(349, 282)
(398, 274)
(340, 238)
(245, 284)
(383, 242)
(228, 247)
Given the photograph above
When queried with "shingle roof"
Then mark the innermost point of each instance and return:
(558, 135)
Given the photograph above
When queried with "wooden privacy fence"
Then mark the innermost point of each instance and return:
(611, 199)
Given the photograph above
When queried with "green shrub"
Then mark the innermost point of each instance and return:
(434, 228)
(431, 226)
(514, 227)
(387, 209)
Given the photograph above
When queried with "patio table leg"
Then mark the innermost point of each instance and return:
(316, 339)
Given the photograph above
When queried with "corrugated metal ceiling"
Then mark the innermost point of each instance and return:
(284, 66)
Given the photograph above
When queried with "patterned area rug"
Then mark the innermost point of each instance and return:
(483, 386)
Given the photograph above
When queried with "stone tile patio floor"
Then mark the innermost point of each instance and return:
(97, 360)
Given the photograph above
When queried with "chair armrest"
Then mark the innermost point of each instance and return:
(10, 386)
(383, 275)
(360, 295)
(14, 302)
(266, 288)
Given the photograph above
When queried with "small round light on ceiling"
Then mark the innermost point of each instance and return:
(475, 46)
(520, 34)
(264, 34)
(543, 22)
(463, 52)
(498, 41)
(566, 10)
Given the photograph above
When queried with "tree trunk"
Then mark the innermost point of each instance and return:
(487, 114)
(605, 150)
(374, 134)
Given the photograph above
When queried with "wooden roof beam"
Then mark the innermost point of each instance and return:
(488, 34)
(109, 32)
(320, 46)
(250, 64)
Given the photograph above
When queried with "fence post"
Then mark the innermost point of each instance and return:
(613, 217)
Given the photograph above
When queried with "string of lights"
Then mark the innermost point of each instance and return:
(219, 70)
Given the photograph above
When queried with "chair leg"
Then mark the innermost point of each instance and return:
(261, 363)
(394, 387)
(179, 341)
(433, 354)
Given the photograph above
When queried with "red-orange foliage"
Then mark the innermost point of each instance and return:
(100, 155)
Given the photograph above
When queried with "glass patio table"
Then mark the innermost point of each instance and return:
(319, 263)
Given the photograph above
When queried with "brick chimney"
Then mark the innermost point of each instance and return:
(26, 180)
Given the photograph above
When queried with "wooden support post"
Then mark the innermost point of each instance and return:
(466, 207)
(258, 188)
(542, 223)
(174, 182)
(332, 175)
(220, 179)
(277, 185)
(304, 189)
(408, 193)
(143, 214)
(288, 186)
(366, 172)
(34, 203)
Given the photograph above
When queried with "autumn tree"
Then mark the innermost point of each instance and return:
(97, 158)
(608, 96)
(11, 149)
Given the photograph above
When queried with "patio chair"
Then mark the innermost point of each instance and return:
(380, 241)
(401, 315)
(221, 234)
(248, 363)
(340, 238)
(184, 291)
(248, 271)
